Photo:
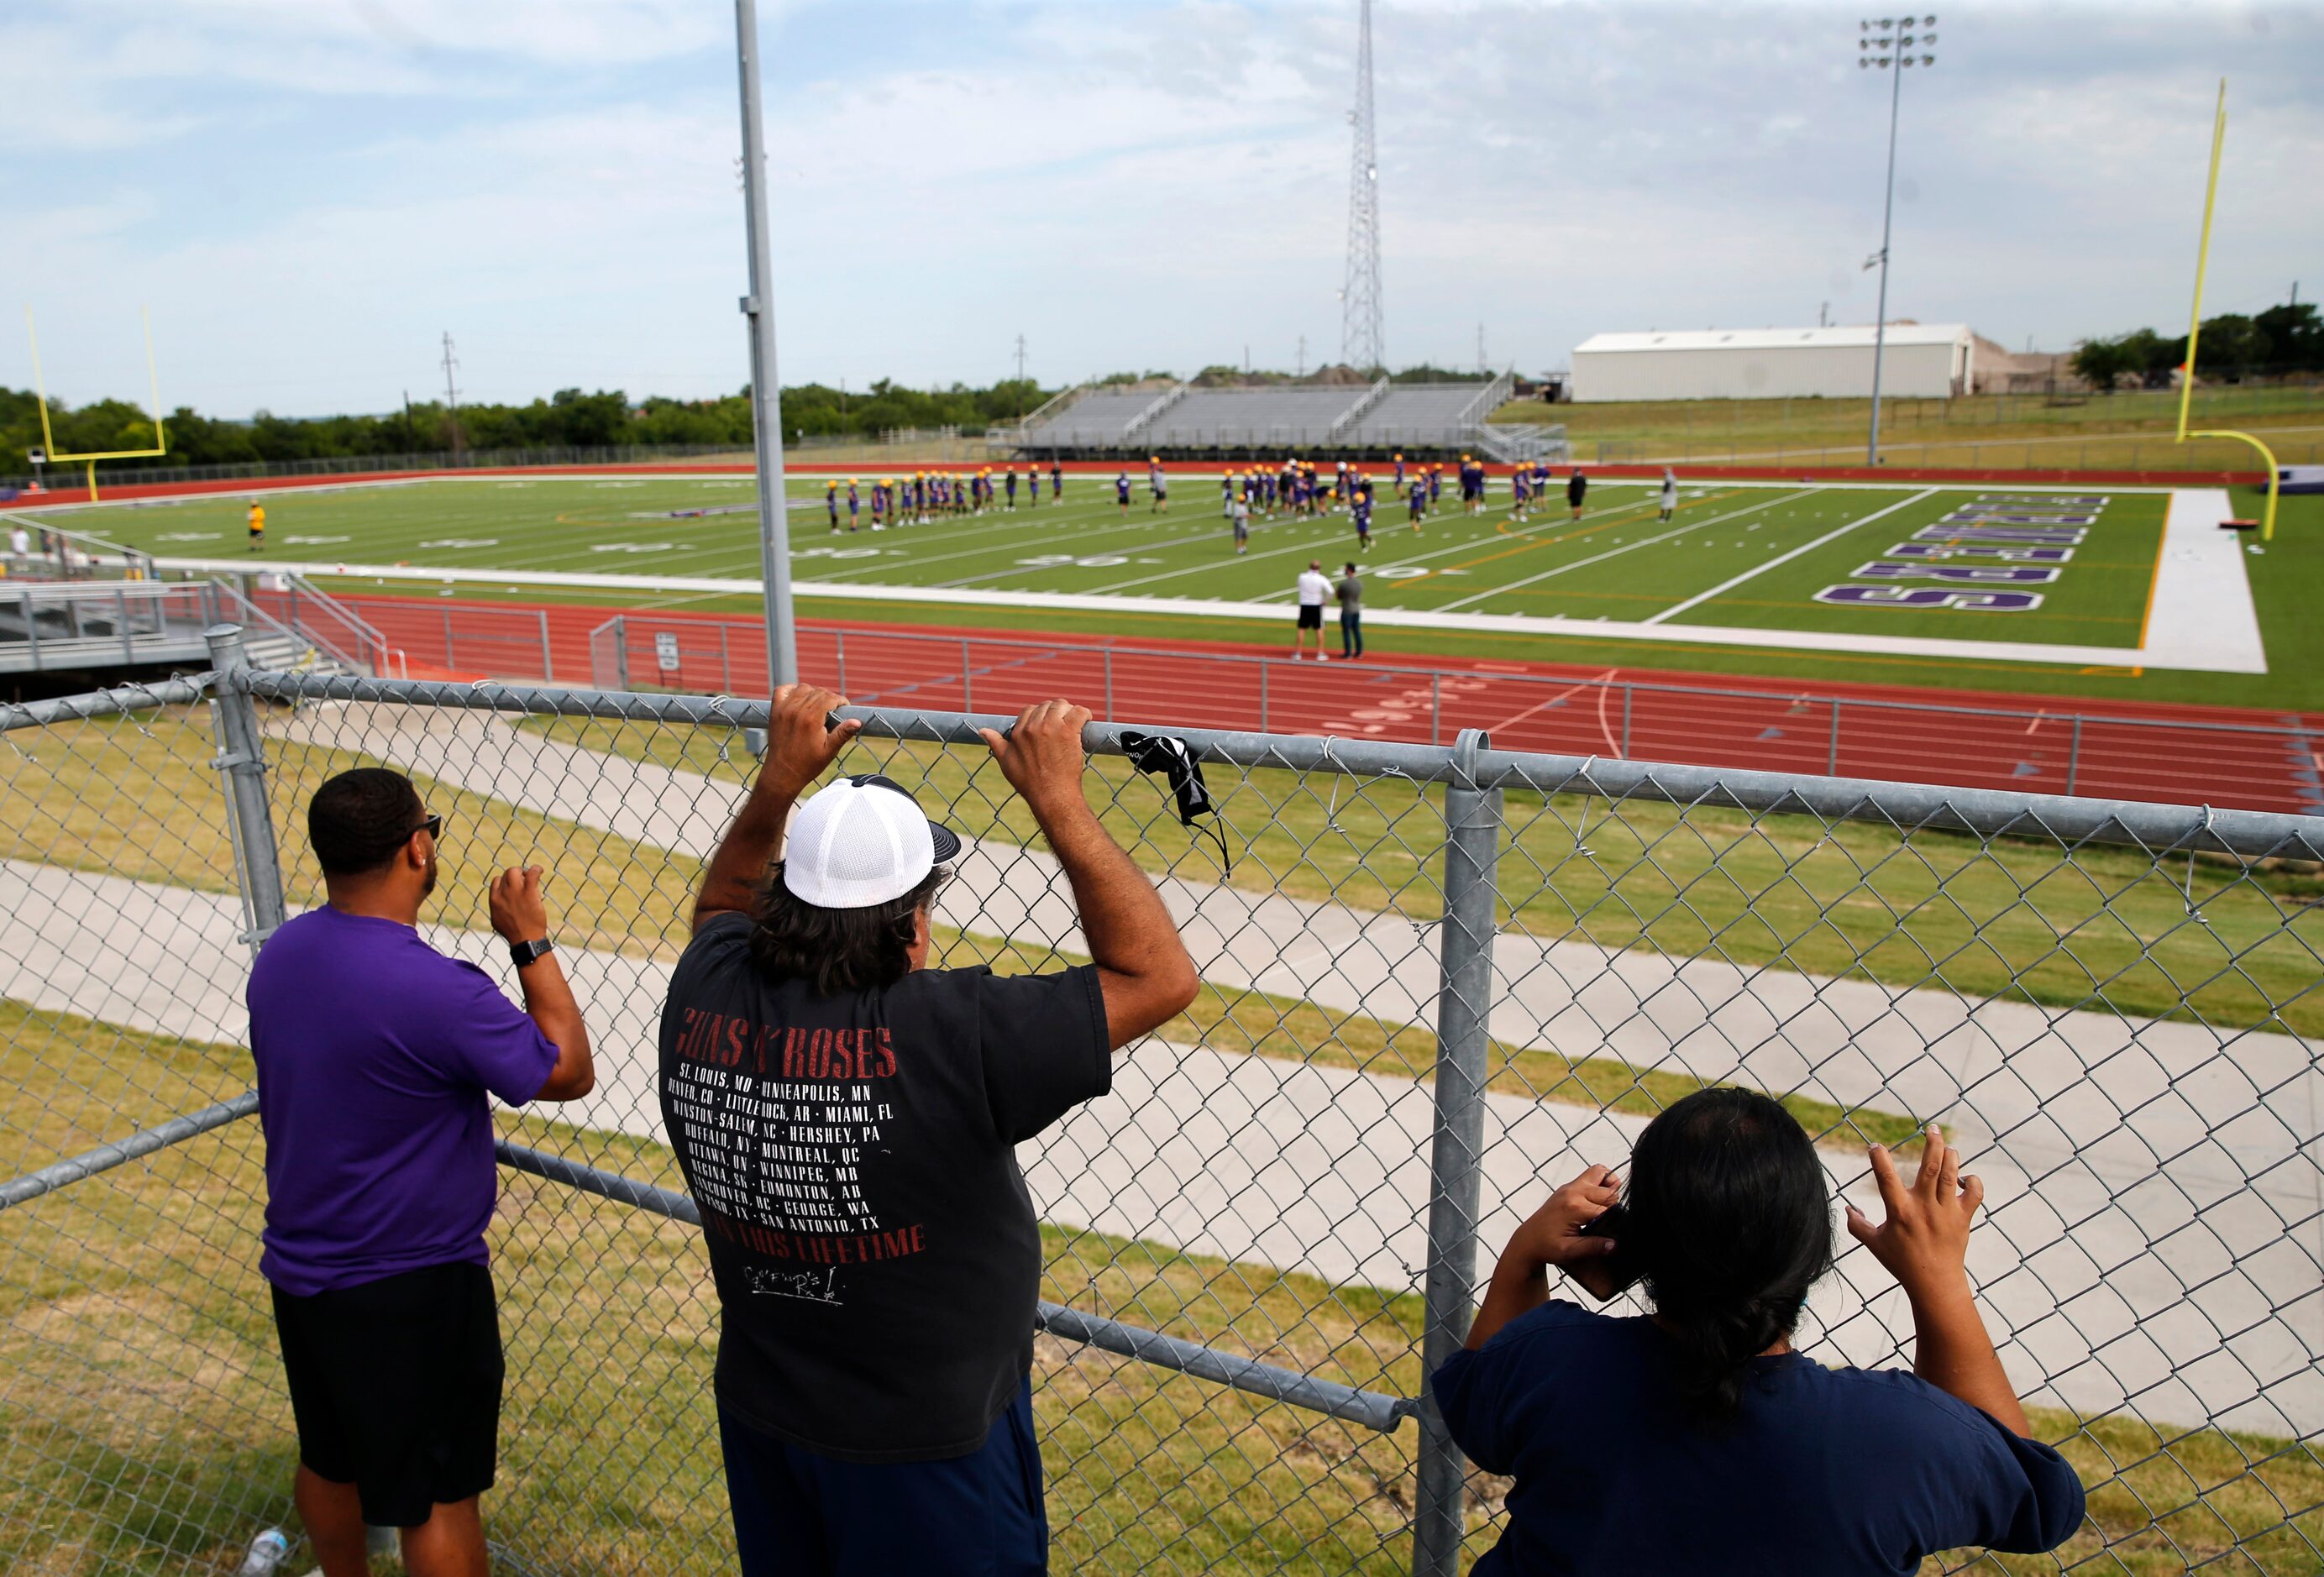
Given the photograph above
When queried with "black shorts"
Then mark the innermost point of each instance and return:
(1311, 615)
(396, 1388)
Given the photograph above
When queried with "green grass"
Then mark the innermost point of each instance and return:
(2017, 918)
(1543, 566)
(144, 1427)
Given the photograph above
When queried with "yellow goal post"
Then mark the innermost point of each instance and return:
(90, 458)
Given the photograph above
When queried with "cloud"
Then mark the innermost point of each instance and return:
(310, 194)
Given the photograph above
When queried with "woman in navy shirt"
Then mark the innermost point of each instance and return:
(1694, 1439)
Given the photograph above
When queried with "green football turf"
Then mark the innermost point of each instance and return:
(1618, 563)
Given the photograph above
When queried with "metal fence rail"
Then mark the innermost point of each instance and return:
(1436, 979)
(2194, 753)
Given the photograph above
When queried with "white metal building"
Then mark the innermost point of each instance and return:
(1923, 360)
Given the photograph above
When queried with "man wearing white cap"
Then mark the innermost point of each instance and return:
(846, 1120)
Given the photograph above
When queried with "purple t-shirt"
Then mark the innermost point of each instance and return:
(374, 1054)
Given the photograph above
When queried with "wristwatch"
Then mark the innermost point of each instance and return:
(525, 952)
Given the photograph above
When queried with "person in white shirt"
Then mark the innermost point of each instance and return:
(1670, 492)
(1314, 588)
(20, 549)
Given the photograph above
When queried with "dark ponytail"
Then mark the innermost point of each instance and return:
(1728, 1221)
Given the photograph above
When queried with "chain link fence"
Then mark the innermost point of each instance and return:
(1436, 981)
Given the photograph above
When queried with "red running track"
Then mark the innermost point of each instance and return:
(2222, 756)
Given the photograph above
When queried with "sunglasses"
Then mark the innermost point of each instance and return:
(433, 826)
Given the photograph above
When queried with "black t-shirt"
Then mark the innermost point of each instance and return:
(873, 1244)
(1837, 1470)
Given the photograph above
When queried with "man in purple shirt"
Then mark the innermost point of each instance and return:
(375, 1053)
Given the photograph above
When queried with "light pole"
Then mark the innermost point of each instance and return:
(766, 393)
(1888, 45)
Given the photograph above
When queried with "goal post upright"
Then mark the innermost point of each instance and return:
(2195, 325)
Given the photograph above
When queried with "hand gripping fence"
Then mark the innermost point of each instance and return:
(1437, 982)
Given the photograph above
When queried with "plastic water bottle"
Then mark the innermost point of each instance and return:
(266, 1554)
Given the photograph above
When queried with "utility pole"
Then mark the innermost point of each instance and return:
(1823, 316)
(1898, 37)
(451, 395)
(1480, 349)
(766, 392)
(1020, 377)
(1362, 339)
(410, 442)
(1303, 356)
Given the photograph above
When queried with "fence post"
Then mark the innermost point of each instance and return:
(622, 650)
(839, 638)
(1473, 831)
(2074, 754)
(1109, 685)
(966, 704)
(243, 769)
(1831, 754)
(1435, 708)
(547, 671)
(447, 636)
(1629, 694)
(1263, 665)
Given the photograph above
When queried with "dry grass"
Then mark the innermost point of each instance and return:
(144, 1427)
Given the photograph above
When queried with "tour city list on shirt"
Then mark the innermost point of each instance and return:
(775, 1122)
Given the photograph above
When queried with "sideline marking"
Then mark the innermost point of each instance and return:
(2209, 658)
(1728, 586)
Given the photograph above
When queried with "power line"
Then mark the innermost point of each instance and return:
(1362, 342)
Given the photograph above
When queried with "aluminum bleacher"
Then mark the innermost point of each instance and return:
(1348, 419)
(1100, 420)
(1419, 416)
(1252, 418)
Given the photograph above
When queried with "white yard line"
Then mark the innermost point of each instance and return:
(2201, 661)
(1459, 603)
(1724, 587)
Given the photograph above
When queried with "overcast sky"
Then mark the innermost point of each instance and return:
(308, 192)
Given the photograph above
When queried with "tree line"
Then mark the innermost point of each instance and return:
(569, 419)
(2282, 342)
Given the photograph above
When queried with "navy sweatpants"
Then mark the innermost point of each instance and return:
(800, 1514)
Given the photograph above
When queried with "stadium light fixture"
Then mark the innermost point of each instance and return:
(1889, 44)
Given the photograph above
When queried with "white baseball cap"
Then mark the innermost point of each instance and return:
(862, 840)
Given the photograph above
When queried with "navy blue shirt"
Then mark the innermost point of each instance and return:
(1841, 1470)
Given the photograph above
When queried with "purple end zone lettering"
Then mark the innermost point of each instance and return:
(2006, 554)
(1975, 574)
(1929, 596)
(2059, 537)
(2096, 500)
(2038, 517)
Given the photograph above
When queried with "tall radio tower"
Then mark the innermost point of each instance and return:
(1362, 342)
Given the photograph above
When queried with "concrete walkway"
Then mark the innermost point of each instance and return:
(2220, 1110)
(1325, 1170)
(2093, 1253)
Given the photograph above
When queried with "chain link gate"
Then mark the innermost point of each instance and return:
(1436, 981)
